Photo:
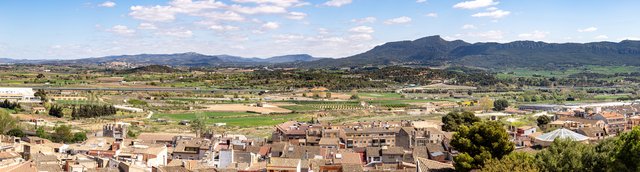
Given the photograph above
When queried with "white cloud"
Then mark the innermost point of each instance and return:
(271, 25)
(121, 30)
(469, 26)
(421, 1)
(281, 3)
(399, 20)
(475, 4)
(223, 27)
(260, 9)
(226, 16)
(296, 15)
(147, 26)
(361, 37)
(108, 4)
(535, 35)
(589, 29)
(156, 13)
(337, 3)
(602, 37)
(365, 20)
(493, 14)
(362, 29)
(177, 33)
(167, 13)
(432, 15)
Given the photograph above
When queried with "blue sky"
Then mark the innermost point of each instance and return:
(326, 28)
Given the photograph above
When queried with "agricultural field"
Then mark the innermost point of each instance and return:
(560, 73)
(234, 119)
(323, 105)
(380, 95)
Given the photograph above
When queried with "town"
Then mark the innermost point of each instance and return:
(294, 145)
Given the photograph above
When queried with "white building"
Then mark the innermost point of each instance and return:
(17, 94)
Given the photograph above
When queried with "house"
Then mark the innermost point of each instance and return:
(573, 123)
(17, 94)
(426, 165)
(615, 122)
(327, 142)
(436, 152)
(525, 130)
(284, 165)
(369, 136)
(594, 133)
(290, 130)
(392, 154)
(409, 137)
(191, 148)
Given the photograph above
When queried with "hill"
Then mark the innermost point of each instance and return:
(150, 69)
(435, 51)
(190, 59)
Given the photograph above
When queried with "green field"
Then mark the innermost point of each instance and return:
(380, 95)
(235, 119)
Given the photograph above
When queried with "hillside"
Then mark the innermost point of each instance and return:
(149, 69)
(435, 51)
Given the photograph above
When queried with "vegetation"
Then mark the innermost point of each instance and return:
(454, 120)
(480, 143)
(7, 122)
(9, 105)
(514, 162)
(16, 132)
(500, 105)
(543, 120)
(56, 111)
(92, 111)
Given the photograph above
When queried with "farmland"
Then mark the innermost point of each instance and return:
(234, 119)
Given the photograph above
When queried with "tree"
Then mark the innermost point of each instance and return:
(79, 137)
(453, 120)
(627, 157)
(515, 162)
(500, 105)
(41, 133)
(198, 125)
(15, 132)
(543, 120)
(479, 143)
(7, 122)
(40, 76)
(486, 103)
(41, 94)
(56, 111)
(565, 155)
(354, 97)
(63, 133)
(327, 95)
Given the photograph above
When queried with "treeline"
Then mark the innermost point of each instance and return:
(92, 111)
(9, 105)
(486, 146)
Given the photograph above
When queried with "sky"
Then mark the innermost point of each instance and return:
(72, 29)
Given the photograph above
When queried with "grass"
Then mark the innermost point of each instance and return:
(236, 119)
(381, 95)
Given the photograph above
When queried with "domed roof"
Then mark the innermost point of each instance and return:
(562, 133)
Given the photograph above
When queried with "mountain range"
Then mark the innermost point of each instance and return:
(427, 51)
(435, 51)
(190, 59)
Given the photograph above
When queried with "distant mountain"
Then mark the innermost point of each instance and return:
(149, 69)
(435, 51)
(180, 59)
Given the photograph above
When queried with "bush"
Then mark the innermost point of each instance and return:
(16, 132)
